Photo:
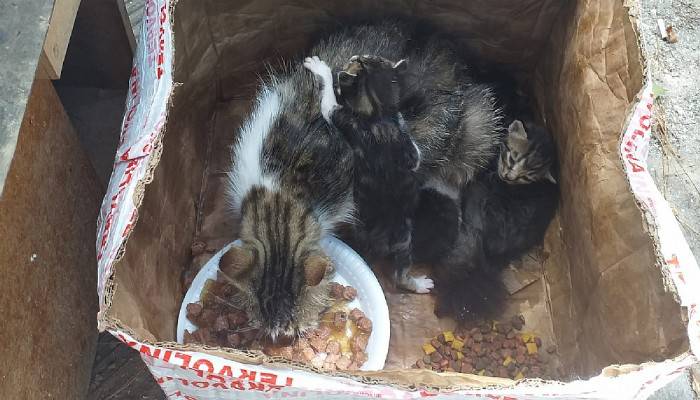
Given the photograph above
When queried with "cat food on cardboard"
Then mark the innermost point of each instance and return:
(198, 248)
(338, 343)
(491, 349)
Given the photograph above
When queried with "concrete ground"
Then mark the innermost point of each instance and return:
(23, 26)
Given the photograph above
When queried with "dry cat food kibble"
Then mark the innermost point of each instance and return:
(491, 349)
(339, 342)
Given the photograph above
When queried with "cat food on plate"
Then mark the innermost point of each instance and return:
(352, 333)
(219, 323)
(339, 343)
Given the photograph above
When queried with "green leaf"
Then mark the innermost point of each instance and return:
(658, 90)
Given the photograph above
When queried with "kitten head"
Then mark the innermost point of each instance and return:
(526, 156)
(279, 269)
(371, 85)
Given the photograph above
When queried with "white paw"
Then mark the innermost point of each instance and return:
(422, 284)
(318, 67)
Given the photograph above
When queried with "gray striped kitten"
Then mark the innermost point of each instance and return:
(526, 154)
(291, 181)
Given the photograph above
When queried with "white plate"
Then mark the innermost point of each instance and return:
(350, 269)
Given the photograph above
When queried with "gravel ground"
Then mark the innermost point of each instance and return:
(674, 157)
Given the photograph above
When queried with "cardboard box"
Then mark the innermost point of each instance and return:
(616, 264)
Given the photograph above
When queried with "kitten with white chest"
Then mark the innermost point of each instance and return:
(502, 214)
(385, 157)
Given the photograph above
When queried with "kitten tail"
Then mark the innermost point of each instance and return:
(480, 295)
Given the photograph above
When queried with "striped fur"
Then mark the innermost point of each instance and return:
(281, 234)
(526, 156)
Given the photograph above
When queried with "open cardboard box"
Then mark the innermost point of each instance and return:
(596, 290)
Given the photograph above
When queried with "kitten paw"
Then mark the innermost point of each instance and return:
(319, 68)
(420, 284)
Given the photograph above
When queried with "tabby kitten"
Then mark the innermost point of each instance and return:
(292, 179)
(526, 155)
(385, 156)
(275, 228)
(502, 214)
(291, 184)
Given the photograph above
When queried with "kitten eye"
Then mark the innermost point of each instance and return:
(510, 159)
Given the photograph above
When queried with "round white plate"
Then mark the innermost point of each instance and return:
(350, 269)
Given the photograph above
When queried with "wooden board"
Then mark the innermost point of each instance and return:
(100, 51)
(110, 25)
(58, 36)
(48, 300)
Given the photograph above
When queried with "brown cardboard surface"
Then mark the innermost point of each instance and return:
(603, 258)
(595, 290)
(47, 258)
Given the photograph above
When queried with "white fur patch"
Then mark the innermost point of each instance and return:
(402, 123)
(248, 151)
(422, 284)
(419, 156)
(323, 73)
(443, 187)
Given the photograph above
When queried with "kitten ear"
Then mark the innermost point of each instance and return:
(401, 66)
(517, 130)
(548, 176)
(315, 268)
(237, 261)
(346, 79)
